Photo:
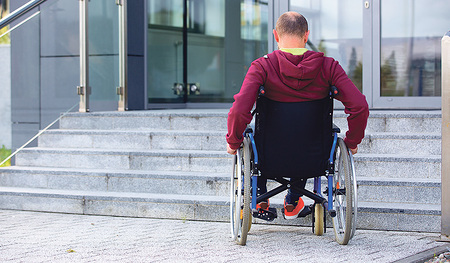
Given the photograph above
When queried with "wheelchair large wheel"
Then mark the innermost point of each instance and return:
(344, 195)
(240, 196)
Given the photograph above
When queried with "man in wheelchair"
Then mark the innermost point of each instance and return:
(293, 74)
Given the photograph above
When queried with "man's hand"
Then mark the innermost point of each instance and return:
(231, 151)
(354, 151)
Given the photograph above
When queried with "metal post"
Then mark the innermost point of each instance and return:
(84, 89)
(122, 90)
(278, 8)
(445, 160)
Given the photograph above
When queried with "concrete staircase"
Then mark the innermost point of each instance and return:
(173, 164)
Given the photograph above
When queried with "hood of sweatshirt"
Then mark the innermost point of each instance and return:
(296, 71)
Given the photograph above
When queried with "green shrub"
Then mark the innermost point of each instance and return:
(4, 153)
(5, 39)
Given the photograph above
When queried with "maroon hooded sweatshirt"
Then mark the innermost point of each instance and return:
(295, 78)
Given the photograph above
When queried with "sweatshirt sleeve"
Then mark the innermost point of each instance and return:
(355, 105)
(240, 113)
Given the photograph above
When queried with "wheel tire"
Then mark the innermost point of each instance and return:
(344, 199)
(234, 194)
(318, 219)
(240, 196)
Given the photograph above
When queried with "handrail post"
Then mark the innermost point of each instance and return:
(445, 160)
(84, 90)
(122, 90)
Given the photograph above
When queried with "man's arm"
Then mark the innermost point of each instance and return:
(240, 113)
(355, 106)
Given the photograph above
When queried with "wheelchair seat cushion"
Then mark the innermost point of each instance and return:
(293, 139)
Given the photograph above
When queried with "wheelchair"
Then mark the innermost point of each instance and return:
(292, 142)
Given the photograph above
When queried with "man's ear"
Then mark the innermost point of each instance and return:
(306, 36)
(275, 34)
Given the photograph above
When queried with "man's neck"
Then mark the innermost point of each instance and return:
(291, 42)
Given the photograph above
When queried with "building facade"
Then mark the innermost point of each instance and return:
(195, 53)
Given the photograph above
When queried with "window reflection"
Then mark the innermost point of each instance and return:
(336, 30)
(411, 32)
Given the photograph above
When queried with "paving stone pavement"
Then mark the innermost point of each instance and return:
(50, 237)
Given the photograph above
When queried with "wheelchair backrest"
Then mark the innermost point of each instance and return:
(293, 139)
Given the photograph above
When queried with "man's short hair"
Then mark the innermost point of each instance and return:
(291, 23)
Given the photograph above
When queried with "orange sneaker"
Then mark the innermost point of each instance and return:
(291, 211)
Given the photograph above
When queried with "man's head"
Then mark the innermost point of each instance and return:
(291, 27)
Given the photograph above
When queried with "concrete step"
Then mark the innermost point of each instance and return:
(417, 191)
(399, 190)
(160, 182)
(172, 164)
(398, 166)
(209, 119)
(367, 165)
(401, 143)
(145, 140)
(382, 143)
(386, 216)
(123, 159)
(397, 121)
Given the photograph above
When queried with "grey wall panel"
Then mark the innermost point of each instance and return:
(59, 78)
(59, 28)
(25, 72)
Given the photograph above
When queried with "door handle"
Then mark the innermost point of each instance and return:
(178, 89)
(194, 88)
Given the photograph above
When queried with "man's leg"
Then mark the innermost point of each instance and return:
(262, 189)
(292, 193)
(293, 203)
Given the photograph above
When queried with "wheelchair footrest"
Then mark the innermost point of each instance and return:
(268, 215)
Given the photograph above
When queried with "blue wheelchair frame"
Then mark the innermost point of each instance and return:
(285, 184)
(316, 195)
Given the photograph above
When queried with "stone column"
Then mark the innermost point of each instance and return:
(445, 173)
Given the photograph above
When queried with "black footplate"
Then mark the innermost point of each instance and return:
(268, 215)
(305, 212)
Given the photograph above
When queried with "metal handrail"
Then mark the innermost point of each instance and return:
(19, 12)
(37, 135)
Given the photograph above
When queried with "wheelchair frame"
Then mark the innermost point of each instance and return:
(340, 201)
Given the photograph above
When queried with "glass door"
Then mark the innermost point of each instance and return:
(206, 51)
(165, 51)
(199, 50)
(408, 66)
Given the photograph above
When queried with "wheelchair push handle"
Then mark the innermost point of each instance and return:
(334, 91)
(261, 92)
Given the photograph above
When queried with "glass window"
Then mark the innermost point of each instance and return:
(166, 13)
(336, 30)
(411, 33)
(169, 13)
(254, 17)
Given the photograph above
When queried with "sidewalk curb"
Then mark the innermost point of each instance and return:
(425, 255)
